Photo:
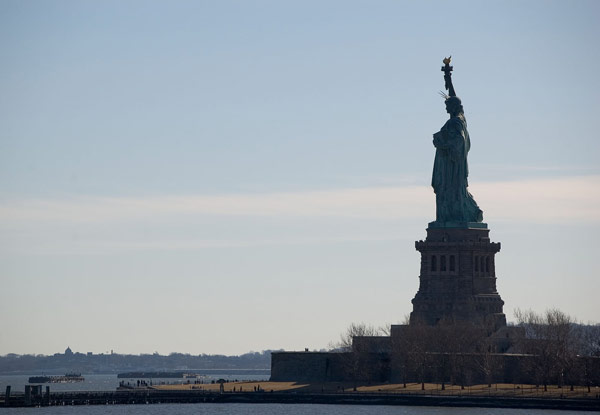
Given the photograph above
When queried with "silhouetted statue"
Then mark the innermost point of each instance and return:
(454, 203)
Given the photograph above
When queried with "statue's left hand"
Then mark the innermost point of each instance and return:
(436, 138)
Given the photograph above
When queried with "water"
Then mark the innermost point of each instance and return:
(276, 409)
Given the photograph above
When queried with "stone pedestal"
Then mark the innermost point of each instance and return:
(458, 278)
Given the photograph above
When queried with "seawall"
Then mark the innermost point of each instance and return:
(164, 397)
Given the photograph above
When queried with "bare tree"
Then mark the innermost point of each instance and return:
(486, 360)
(355, 330)
(590, 339)
(412, 352)
(359, 357)
(553, 342)
(456, 343)
(589, 352)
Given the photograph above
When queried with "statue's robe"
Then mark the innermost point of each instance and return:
(450, 171)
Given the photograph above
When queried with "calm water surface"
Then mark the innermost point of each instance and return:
(276, 409)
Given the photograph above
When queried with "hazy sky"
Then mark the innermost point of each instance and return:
(227, 176)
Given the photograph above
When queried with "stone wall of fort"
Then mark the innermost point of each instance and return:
(465, 369)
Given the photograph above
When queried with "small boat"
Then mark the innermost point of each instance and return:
(67, 378)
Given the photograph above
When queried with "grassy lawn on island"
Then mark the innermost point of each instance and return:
(500, 389)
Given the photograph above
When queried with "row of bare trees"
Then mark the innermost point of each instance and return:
(548, 348)
(457, 353)
(445, 352)
(561, 350)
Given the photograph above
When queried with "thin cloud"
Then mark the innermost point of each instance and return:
(368, 202)
(99, 225)
(570, 169)
(562, 200)
(571, 199)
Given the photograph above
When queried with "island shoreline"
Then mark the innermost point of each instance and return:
(151, 396)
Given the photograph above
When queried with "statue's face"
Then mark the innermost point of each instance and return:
(452, 106)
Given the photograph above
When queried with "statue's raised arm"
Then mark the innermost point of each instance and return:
(447, 69)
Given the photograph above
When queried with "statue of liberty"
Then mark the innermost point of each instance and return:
(455, 206)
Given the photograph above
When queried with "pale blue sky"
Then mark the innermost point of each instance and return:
(226, 176)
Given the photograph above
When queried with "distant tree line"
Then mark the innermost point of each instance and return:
(115, 363)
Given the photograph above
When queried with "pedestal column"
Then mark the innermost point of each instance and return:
(458, 278)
